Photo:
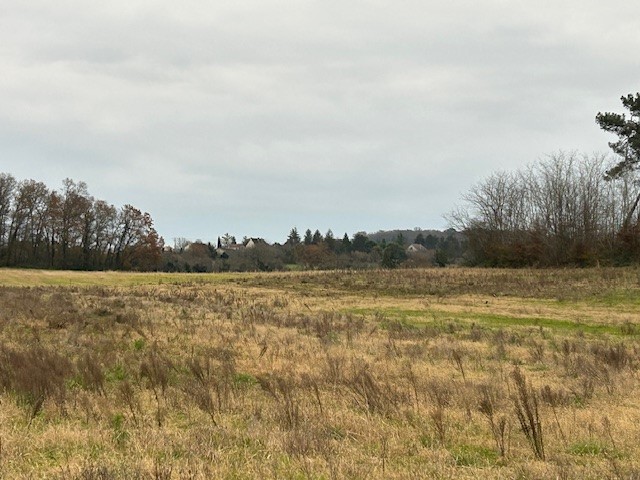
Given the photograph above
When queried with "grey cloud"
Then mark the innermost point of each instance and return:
(260, 115)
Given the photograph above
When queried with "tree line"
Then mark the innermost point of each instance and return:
(314, 250)
(567, 209)
(70, 229)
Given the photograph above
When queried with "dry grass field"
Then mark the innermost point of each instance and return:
(437, 373)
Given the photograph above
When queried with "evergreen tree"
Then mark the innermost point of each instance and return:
(361, 243)
(393, 255)
(628, 132)
(308, 237)
(628, 144)
(330, 240)
(294, 237)
(430, 242)
(346, 244)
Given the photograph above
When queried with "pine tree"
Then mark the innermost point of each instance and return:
(308, 237)
(346, 243)
(628, 144)
(294, 237)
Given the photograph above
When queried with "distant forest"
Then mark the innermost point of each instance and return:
(70, 229)
(314, 250)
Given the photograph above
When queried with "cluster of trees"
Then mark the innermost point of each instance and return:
(564, 210)
(69, 229)
(318, 251)
(313, 250)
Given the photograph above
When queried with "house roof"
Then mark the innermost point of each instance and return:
(256, 241)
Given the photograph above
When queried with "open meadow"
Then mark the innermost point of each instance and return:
(426, 373)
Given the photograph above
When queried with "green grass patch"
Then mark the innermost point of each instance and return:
(618, 298)
(424, 317)
(593, 448)
(244, 380)
(473, 456)
(117, 373)
(542, 322)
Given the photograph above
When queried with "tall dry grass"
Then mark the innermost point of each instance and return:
(313, 376)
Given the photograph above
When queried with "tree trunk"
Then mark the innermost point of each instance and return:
(627, 220)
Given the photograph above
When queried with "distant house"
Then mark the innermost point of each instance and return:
(254, 242)
(234, 247)
(222, 249)
(416, 248)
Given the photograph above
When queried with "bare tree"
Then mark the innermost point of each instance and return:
(558, 210)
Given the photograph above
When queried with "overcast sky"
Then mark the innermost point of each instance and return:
(254, 116)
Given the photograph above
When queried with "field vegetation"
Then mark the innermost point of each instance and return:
(425, 373)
